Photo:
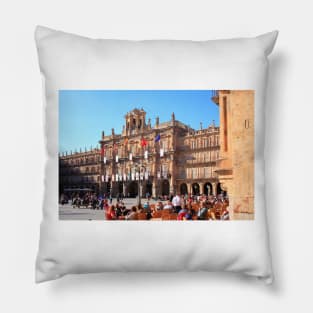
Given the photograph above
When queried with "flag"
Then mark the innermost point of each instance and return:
(143, 142)
(116, 159)
(130, 156)
(157, 138)
(104, 160)
(102, 178)
(102, 150)
(146, 154)
(161, 152)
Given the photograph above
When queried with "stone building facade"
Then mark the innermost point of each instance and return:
(183, 160)
(235, 166)
(79, 171)
(174, 159)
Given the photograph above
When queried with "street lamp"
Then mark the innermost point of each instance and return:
(140, 167)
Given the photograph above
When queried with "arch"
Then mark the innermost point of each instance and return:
(148, 188)
(107, 188)
(133, 189)
(219, 189)
(207, 188)
(195, 189)
(183, 189)
(165, 187)
(120, 187)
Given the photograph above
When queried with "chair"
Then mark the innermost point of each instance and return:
(157, 214)
(165, 212)
(142, 216)
(173, 216)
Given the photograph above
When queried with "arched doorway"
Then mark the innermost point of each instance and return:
(120, 187)
(148, 188)
(196, 189)
(133, 189)
(183, 189)
(219, 189)
(165, 188)
(109, 187)
(208, 189)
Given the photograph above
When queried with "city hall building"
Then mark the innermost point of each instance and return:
(161, 159)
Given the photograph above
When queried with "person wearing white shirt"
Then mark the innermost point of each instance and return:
(176, 203)
(168, 206)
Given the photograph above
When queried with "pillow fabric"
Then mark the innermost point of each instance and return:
(218, 203)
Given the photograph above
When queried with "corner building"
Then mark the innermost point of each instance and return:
(235, 166)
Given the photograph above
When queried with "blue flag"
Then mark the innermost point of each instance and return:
(157, 138)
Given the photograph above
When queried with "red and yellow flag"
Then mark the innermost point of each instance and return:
(143, 142)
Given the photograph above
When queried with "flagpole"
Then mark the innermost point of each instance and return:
(139, 180)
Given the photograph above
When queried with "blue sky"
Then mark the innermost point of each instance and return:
(83, 114)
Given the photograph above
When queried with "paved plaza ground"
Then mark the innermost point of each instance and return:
(67, 212)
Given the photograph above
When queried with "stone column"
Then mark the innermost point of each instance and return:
(214, 188)
(189, 188)
(124, 189)
(172, 189)
(154, 188)
(201, 185)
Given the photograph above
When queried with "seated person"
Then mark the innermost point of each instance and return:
(146, 207)
(159, 206)
(125, 211)
(110, 213)
(168, 206)
(225, 212)
(225, 215)
(189, 215)
(203, 211)
(182, 214)
(190, 209)
(118, 210)
(218, 207)
(140, 209)
(132, 215)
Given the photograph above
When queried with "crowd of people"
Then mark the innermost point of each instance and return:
(180, 207)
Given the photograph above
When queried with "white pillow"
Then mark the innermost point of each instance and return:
(70, 62)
